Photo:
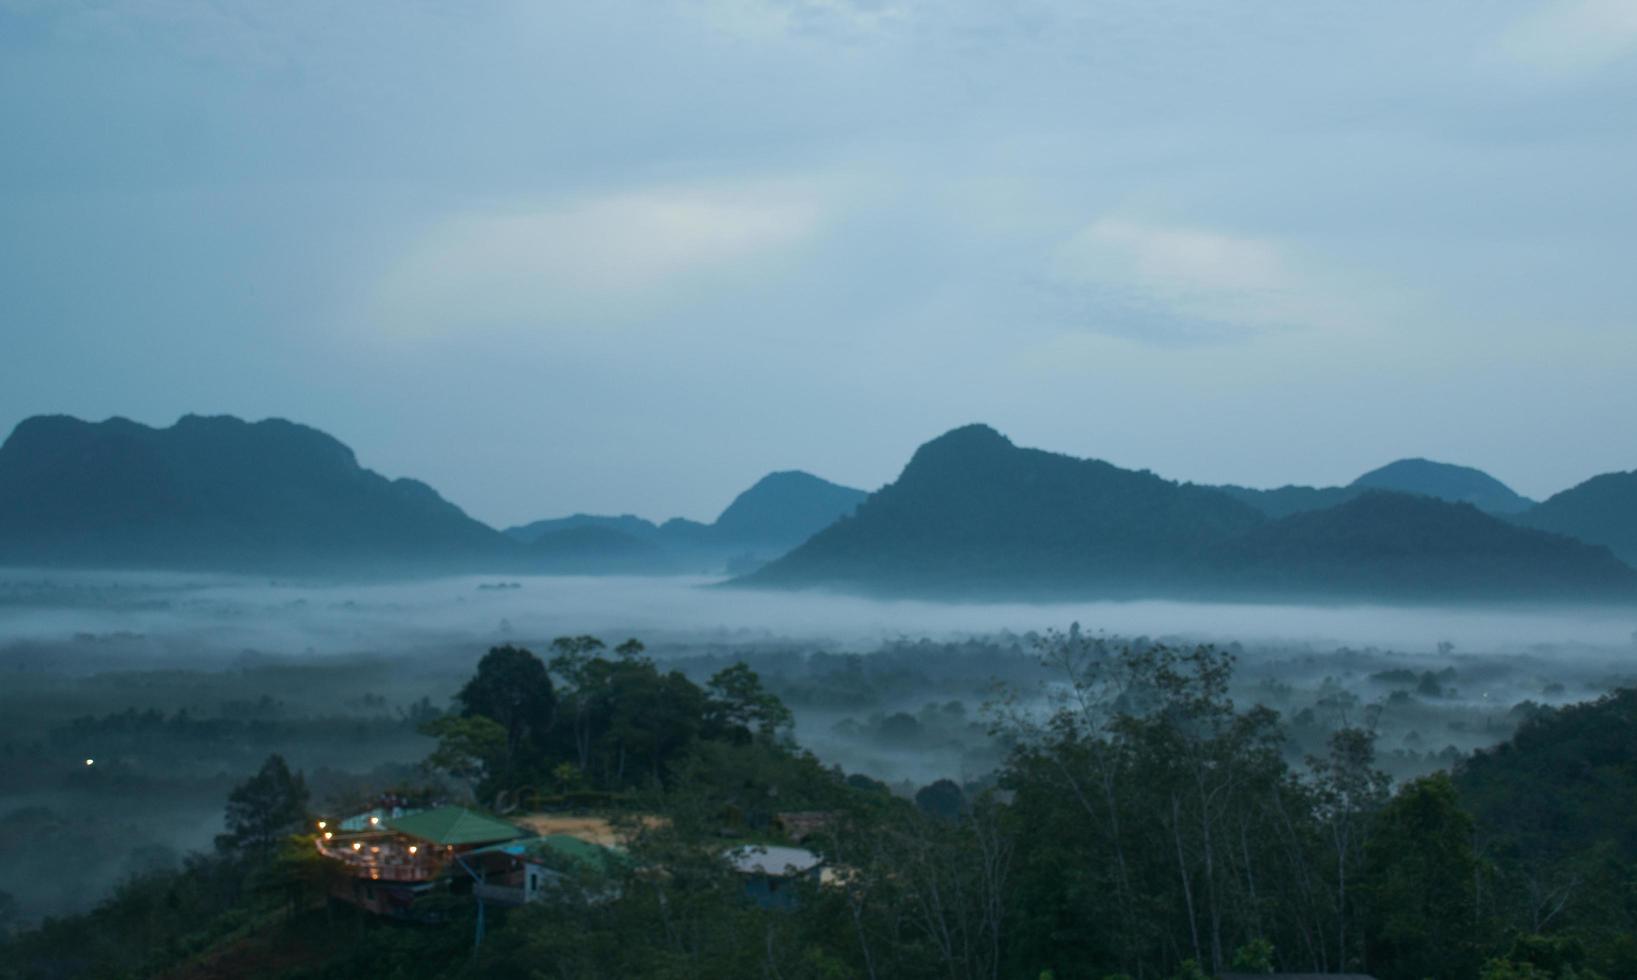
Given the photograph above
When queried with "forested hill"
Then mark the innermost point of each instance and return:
(1404, 546)
(1293, 499)
(784, 509)
(974, 515)
(221, 493)
(1444, 481)
(1603, 510)
(780, 511)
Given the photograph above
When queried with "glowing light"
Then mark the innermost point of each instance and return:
(412, 848)
(90, 762)
(328, 835)
(357, 846)
(322, 825)
(374, 819)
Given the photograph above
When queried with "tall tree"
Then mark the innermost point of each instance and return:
(1422, 878)
(472, 750)
(513, 689)
(575, 663)
(742, 708)
(1348, 790)
(263, 810)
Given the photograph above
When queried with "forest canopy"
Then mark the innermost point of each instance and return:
(1142, 825)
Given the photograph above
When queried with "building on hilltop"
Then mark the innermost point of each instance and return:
(391, 861)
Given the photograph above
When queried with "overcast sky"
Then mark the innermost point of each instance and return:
(618, 256)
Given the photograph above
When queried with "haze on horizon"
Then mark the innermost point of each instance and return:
(632, 256)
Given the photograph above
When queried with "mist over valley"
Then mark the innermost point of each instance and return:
(177, 684)
(818, 490)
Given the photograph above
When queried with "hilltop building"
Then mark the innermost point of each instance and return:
(391, 861)
(393, 856)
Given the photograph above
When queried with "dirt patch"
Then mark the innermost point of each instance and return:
(603, 831)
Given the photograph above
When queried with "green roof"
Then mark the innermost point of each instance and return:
(454, 825)
(594, 856)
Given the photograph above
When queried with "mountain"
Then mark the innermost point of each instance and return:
(1603, 510)
(974, 515)
(778, 512)
(221, 493)
(1445, 481)
(781, 510)
(1408, 546)
(1287, 500)
(626, 524)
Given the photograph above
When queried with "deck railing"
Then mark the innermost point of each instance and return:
(388, 864)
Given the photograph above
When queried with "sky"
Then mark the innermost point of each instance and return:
(630, 256)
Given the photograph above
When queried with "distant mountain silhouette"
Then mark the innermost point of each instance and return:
(1445, 481)
(626, 524)
(1408, 546)
(781, 510)
(970, 515)
(778, 512)
(220, 493)
(973, 515)
(1603, 510)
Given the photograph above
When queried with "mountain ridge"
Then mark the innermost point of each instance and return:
(972, 514)
(774, 514)
(1601, 510)
(1445, 481)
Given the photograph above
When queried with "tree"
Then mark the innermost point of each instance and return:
(469, 749)
(1348, 791)
(742, 708)
(1541, 958)
(1421, 878)
(942, 799)
(1255, 956)
(574, 662)
(263, 810)
(513, 689)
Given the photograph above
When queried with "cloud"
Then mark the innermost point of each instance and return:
(1171, 284)
(766, 20)
(1571, 37)
(602, 258)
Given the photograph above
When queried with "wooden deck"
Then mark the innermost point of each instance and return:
(384, 860)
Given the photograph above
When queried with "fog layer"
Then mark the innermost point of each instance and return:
(177, 686)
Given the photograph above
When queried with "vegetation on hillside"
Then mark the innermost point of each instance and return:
(1143, 825)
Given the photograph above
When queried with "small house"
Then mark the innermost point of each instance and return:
(771, 873)
(526, 870)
